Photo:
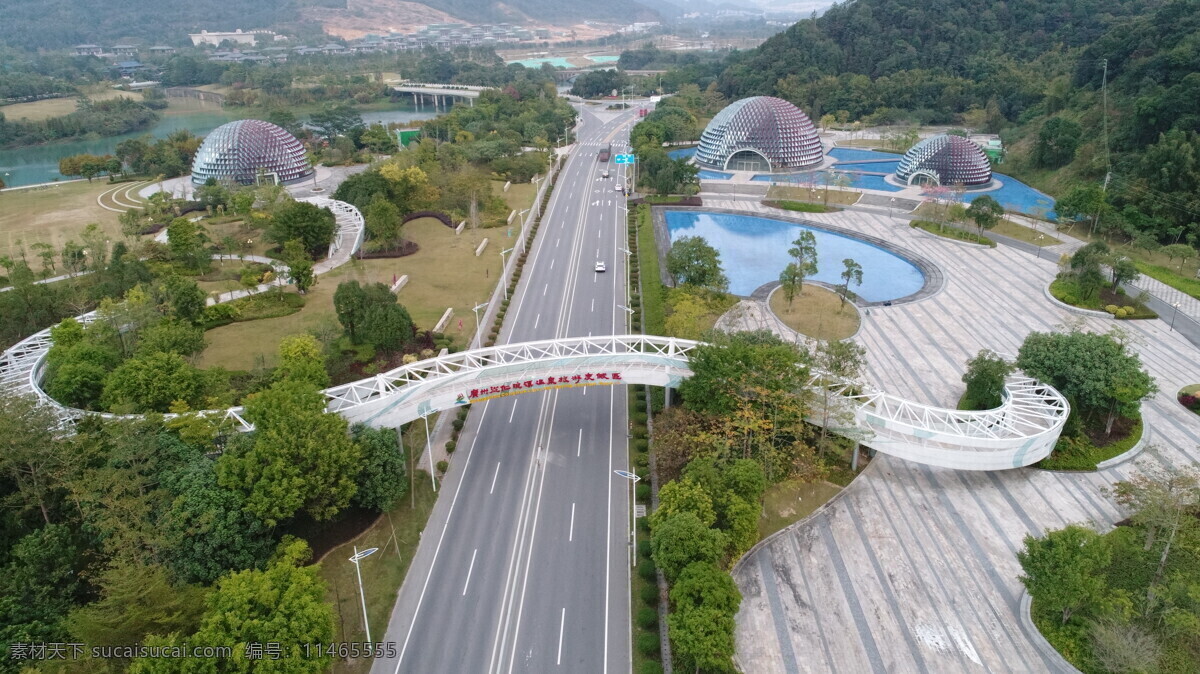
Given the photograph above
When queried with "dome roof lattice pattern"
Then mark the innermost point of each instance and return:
(953, 160)
(773, 128)
(238, 151)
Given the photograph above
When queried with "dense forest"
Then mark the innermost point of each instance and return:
(1032, 72)
(59, 24)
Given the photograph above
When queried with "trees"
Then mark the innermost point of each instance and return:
(1085, 267)
(207, 529)
(383, 222)
(984, 378)
(185, 240)
(301, 359)
(851, 272)
(299, 456)
(387, 326)
(283, 604)
(151, 383)
(39, 585)
(985, 212)
(1062, 571)
(1179, 250)
(1165, 504)
(32, 456)
(692, 261)
(1123, 271)
(1082, 202)
(734, 367)
(839, 360)
(680, 496)
(1098, 374)
(804, 254)
(336, 120)
(301, 220)
(136, 601)
(171, 335)
(300, 266)
(681, 539)
(383, 477)
(1056, 142)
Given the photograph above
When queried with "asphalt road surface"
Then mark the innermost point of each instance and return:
(524, 566)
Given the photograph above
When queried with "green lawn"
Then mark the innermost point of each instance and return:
(948, 232)
(53, 214)
(817, 312)
(443, 273)
(790, 501)
(817, 194)
(799, 206)
(1020, 232)
(36, 111)
(519, 195)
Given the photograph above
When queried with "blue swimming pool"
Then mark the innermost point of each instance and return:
(681, 153)
(706, 174)
(857, 180)
(869, 166)
(845, 154)
(1015, 195)
(754, 251)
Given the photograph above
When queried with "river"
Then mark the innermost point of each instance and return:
(39, 163)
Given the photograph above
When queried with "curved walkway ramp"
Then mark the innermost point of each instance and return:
(1021, 431)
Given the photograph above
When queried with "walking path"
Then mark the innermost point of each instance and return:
(914, 568)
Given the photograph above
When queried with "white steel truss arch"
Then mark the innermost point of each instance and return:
(1021, 431)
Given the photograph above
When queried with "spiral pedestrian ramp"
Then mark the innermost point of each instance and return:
(1021, 431)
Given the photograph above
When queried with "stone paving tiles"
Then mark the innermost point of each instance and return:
(913, 568)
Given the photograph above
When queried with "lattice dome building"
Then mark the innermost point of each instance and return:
(945, 160)
(761, 133)
(238, 152)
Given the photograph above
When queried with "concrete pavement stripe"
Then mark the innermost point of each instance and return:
(860, 620)
(780, 620)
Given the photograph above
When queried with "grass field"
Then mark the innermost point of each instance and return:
(36, 111)
(518, 197)
(396, 535)
(790, 501)
(817, 312)
(952, 232)
(813, 196)
(443, 273)
(53, 214)
(1027, 234)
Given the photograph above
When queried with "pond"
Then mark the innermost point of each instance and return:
(754, 250)
(39, 163)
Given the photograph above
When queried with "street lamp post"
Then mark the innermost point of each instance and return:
(502, 263)
(633, 479)
(362, 597)
(628, 257)
(476, 309)
(1174, 314)
(429, 453)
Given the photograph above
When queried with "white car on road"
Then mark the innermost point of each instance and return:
(600, 265)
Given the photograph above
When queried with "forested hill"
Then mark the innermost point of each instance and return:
(59, 24)
(880, 37)
(557, 11)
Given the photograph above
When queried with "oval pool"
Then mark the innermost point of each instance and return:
(754, 251)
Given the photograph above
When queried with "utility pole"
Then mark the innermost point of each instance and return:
(1107, 161)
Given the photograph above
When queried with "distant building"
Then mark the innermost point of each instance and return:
(944, 160)
(242, 151)
(89, 50)
(124, 50)
(760, 133)
(237, 36)
(128, 68)
(161, 50)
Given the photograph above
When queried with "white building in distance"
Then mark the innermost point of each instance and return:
(239, 36)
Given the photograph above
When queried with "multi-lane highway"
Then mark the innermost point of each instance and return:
(524, 566)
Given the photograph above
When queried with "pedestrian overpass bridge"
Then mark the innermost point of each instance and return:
(1022, 431)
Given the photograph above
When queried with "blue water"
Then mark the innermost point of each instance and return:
(681, 153)
(857, 180)
(557, 62)
(869, 166)
(1017, 196)
(845, 154)
(706, 174)
(604, 59)
(754, 250)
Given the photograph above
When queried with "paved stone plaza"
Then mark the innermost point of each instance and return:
(912, 568)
